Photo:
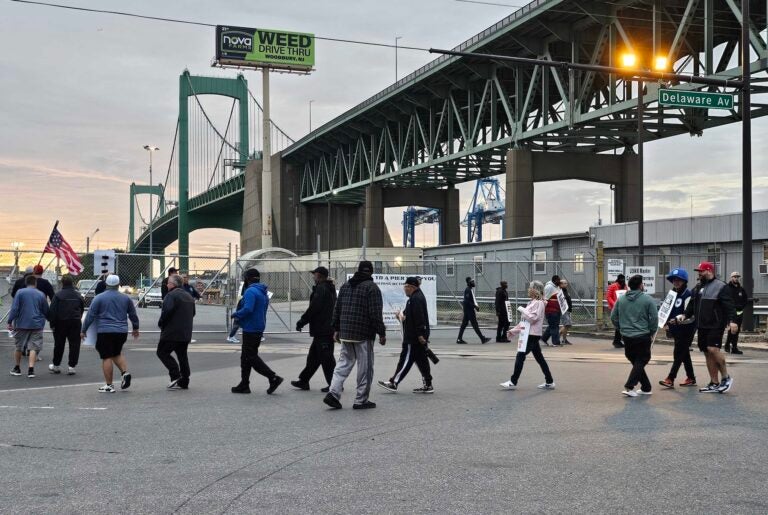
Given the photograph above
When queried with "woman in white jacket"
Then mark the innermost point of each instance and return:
(533, 316)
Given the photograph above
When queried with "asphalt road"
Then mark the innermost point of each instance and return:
(469, 448)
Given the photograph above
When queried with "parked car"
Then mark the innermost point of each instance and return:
(151, 298)
(87, 288)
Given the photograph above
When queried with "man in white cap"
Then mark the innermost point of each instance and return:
(110, 312)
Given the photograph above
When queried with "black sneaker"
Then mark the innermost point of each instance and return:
(461, 342)
(16, 371)
(364, 405)
(427, 388)
(388, 386)
(31, 372)
(727, 348)
(125, 381)
(300, 385)
(484, 340)
(332, 401)
(736, 351)
(241, 388)
(325, 389)
(274, 383)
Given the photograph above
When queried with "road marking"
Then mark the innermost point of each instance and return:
(49, 407)
(49, 387)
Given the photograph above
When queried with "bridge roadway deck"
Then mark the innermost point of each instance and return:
(469, 448)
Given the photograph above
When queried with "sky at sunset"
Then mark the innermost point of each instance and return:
(81, 94)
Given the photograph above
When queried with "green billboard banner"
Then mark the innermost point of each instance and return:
(702, 99)
(242, 46)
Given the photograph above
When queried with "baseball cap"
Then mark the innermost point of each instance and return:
(251, 273)
(172, 271)
(29, 270)
(38, 270)
(735, 274)
(320, 270)
(113, 280)
(705, 266)
(365, 267)
(413, 281)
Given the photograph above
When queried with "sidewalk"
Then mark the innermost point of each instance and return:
(747, 341)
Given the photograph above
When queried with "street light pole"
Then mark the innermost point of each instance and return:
(150, 149)
(88, 241)
(396, 39)
(746, 167)
(641, 213)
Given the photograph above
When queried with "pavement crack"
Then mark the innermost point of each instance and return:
(49, 448)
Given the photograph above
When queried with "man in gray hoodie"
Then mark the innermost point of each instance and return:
(636, 317)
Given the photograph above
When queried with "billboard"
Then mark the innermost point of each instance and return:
(264, 48)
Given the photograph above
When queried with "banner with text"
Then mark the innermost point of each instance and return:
(248, 47)
(649, 277)
(394, 298)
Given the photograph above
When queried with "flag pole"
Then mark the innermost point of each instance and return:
(46, 243)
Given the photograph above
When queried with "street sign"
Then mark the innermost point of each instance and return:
(649, 277)
(615, 267)
(702, 99)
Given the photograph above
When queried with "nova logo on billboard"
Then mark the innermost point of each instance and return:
(236, 41)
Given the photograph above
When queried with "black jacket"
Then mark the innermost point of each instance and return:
(711, 305)
(163, 287)
(567, 299)
(469, 302)
(319, 314)
(416, 321)
(176, 316)
(739, 296)
(358, 314)
(101, 287)
(42, 284)
(67, 304)
(502, 296)
(191, 290)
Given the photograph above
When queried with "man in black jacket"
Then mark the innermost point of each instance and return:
(164, 283)
(739, 295)
(415, 319)
(470, 307)
(501, 312)
(42, 284)
(319, 315)
(65, 315)
(175, 325)
(711, 307)
(357, 318)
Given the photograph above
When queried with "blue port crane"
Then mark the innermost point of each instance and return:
(487, 207)
(414, 216)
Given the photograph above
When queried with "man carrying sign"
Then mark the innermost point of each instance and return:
(682, 333)
(635, 316)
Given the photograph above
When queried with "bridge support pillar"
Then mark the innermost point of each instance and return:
(525, 167)
(450, 217)
(518, 207)
(375, 225)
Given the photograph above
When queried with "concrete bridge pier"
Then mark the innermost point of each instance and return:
(525, 167)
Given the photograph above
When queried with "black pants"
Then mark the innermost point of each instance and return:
(732, 340)
(682, 355)
(503, 327)
(617, 339)
(638, 352)
(250, 359)
(413, 352)
(66, 330)
(176, 370)
(320, 354)
(470, 318)
(532, 347)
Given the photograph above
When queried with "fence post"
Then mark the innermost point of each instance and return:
(599, 288)
(290, 303)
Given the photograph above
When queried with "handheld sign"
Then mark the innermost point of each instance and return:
(561, 300)
(522, 340)
(666, 307)
(510, 312)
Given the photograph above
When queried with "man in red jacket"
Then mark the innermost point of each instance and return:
(612, 296)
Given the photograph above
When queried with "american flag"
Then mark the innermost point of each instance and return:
(59, 246)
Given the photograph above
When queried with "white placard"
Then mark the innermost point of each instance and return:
(394, 298)
(649, 276)
(614, 268)
(522, 340)
(103, 262)
(90, 334)
(510, 311)
(620, 294)
(666, 307)
(563, 303)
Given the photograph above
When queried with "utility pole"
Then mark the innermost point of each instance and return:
(640, 186)
(746, 170)
(266, 168)
(396, 39)
(151, 149)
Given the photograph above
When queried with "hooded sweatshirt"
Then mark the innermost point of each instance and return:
(252, 316)
(635, 314)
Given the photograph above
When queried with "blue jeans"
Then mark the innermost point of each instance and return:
(553, 329)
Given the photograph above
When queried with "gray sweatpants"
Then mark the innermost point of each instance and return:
(362, 353)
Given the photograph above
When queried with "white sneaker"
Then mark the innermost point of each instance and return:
(629, 393)
(174, 385)
(71, 371)
(546, 386)
(640, 392)
(509, 385)
(54, 369)
(232, 339)
(107, 388)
